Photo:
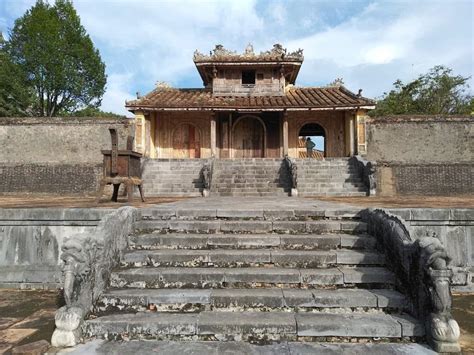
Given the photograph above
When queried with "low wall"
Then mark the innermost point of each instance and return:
(455, 229)
(31, 241)
(55, 155)
(422, 155)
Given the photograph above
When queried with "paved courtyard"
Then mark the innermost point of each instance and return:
(49, 201)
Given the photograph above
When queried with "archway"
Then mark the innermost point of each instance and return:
(317, 135)
(248, 137)
(186, 142)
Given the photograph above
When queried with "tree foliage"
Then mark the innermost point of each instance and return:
(57, 59)
(437, 92)
(94, 112)
(15, 96)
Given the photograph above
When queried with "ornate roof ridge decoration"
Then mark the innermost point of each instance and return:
(163, 85)
(338, 82)
(277, 53)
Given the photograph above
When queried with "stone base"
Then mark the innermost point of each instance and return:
(68, 327)
(65, 338)
(444, 347)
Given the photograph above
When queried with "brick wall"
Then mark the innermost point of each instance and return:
(435, 179)
(50, 178)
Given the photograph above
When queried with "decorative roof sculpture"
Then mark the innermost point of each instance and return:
(277, 53)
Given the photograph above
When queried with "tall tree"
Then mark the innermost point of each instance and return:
(436, 92)
(57, 58)
(15, 95)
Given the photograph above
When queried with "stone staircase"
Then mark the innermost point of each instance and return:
(173, 177)
(252, 276)
(332, 176)
(250, 177)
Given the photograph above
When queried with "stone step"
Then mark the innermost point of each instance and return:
(289, 214)
(255, 257)
(190, 300)
(255, 226)
(170, 347)
(250, 194)
(178, 277)
(248, 325)
(345, 192)
(251, 241)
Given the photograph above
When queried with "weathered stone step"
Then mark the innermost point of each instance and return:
(340, 193)
(257, 226)
(251, 241)
(167, 347)
(254, 257)
(165, 213)
(259, 298)
(178, 277)
(246, 325)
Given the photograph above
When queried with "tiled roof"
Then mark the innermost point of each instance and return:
(302, 98)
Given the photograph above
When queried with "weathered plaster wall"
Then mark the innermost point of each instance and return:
(421, 140)
(333, 123)
(422, 155)
(31, 241)
(60, 155)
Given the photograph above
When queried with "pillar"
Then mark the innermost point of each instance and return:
(352, 135)
(285, 133)
(213, 135)
(139, 131)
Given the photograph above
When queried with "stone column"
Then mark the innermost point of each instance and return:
(285, 133)
(213, 135)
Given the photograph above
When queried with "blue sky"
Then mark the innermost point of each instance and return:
(369, 44)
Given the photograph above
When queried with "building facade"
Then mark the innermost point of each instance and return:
(249, 107)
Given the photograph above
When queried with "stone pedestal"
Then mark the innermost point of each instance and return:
(68, 327)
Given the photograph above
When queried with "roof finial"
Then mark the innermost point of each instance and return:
(359, 94)
(249, 49)
(337, 82)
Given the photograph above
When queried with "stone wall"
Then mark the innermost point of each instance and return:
(55, 155)
(422, 155)
(455, 229)
(31, 241)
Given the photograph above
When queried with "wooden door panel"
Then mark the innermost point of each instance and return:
(248, 139)
(186, 142)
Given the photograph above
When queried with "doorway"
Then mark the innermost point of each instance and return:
(186, 142)
(248, 137)
(314, 133)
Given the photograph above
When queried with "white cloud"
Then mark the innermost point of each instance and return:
(118, 90)
(387, 42)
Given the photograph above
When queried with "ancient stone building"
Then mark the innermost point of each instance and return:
(249, 108)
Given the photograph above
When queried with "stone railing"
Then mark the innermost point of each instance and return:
(88, 259)
(293, 173)
(366, 170)
(206, 176)
(422, 267)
